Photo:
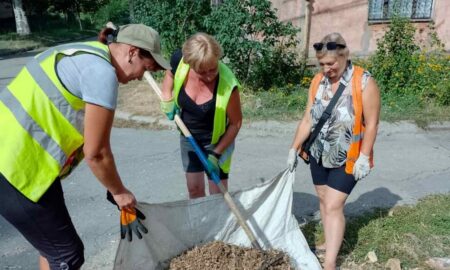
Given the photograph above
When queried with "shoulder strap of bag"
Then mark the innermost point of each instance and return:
(324, 117)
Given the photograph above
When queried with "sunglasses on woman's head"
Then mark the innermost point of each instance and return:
(330, 46)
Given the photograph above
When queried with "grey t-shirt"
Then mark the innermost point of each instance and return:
(90, 78)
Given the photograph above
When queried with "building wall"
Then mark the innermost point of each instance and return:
(350, 18)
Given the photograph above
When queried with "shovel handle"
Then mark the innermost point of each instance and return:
(216, 179)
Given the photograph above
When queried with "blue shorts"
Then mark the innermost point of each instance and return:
(191, 163)
(335, 178)
(45, 224)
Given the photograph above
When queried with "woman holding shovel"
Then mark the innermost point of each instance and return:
(59, 109)
(205, 92)
(341, 149)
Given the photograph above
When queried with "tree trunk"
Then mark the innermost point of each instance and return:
(21, 18)
(78, 17)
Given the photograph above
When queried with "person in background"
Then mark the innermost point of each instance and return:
(342, 153)
(206, 94)
(57, 110)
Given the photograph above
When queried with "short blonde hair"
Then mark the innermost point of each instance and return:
(201, 51)
(339, 52)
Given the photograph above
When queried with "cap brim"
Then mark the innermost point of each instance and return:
(161, 61)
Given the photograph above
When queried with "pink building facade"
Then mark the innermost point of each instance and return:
(362, 22)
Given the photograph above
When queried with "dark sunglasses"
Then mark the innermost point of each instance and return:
(330, 46)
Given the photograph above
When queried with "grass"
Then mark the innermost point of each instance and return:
(411, 234)
(273, 104)
(421, 115)
(13, 43)
(283, 105)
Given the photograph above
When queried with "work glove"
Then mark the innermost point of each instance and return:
(361, 168)
(169, 108)
(213, 163)
(130, 220)
(292, 159)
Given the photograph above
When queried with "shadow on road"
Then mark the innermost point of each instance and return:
(371, 205)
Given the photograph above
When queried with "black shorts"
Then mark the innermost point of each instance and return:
(45, 224)
(335, 178)
(191, 163)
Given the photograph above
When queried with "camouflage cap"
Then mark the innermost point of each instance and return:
(144, 37)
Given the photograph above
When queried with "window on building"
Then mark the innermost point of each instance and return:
(380, 10)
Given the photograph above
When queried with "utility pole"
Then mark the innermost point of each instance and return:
(306, 29)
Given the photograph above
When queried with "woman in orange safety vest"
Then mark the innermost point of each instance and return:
(341, 154)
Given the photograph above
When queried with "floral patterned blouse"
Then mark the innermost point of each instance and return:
(333, 141)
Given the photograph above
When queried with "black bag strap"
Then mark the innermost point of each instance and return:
(324, 117)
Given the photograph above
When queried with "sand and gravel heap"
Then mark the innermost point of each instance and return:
(219, 255)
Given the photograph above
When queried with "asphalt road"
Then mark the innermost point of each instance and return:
(409, 163)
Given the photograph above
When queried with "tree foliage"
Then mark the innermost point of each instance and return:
(175, 20)
(257, 46)
(407, 73)
(116, 11)
(393, 62)
(260, 49)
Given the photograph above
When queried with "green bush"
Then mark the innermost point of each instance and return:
(258, 48)
(175, 20)
(394, 63)
(406, 74)
(432, 77)
(261, 50)
(116, 11)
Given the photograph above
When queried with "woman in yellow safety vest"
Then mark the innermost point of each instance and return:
(341, 154)
(206, 93)
(59, 109)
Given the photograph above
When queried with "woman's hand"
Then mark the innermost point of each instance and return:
(125, 199)
(292, 159)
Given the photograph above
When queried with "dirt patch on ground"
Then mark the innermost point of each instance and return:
(138, 98)
(120, 123)
(222, 256)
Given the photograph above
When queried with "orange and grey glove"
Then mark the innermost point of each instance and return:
(130, 220)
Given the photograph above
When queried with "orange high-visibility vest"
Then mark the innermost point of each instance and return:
(358, 126)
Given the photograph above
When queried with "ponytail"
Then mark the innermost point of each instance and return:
(108, 34)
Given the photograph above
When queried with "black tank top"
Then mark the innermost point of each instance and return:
(199, 119)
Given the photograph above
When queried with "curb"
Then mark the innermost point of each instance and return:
(279, 126)
(144, 119)
(39, 49)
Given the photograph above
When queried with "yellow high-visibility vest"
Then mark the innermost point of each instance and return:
(227, 82)
(41, 122)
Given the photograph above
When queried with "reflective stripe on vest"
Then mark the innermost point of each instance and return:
(227, 82)
(69, 49)
(32, 127)
(41, 122)
(358, 126)
(55, 96)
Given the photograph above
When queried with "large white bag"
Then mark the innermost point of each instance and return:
(177, 226)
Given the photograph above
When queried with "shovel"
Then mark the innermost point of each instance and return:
(214, 176)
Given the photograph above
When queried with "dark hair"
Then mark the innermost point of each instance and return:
(104, 33)
(144, 53)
